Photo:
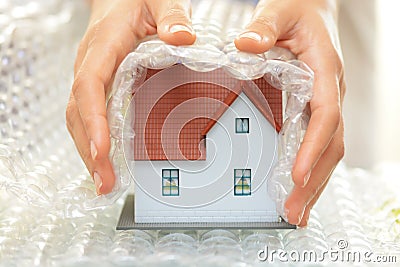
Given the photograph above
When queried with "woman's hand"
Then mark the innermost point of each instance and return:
(114, 29)
(308, 29)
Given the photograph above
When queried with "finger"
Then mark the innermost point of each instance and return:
(90, 32)
(104, 182)
(105, 51)
(325, 116)
(305, 218)
(319, 133)
(80, 55)
(173, 21)
(270, 20)
(306, 215)
(89, 93)
(77, 132)
(301, 197)
(108, 40)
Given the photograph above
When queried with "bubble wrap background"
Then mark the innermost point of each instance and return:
(43, 181)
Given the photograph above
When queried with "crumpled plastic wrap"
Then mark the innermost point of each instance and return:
(214, 49)
(278, 67)
(32, 86)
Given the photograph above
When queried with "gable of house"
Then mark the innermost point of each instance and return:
(173, 126)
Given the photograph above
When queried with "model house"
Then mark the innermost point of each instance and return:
(204, 147)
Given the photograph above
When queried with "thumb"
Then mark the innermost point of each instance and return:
(173, 22)
(270, 21)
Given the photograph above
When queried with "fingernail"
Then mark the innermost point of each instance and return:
(251, 35)
(180, 28)
(97, 182)
(306, 178)
(93, 150)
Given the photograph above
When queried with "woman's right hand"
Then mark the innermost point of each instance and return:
(114, 29)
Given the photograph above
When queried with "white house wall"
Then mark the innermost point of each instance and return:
(206, 187)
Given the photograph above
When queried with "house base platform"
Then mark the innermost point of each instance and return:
(126, 222)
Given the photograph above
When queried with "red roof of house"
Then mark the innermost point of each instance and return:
(174, 126)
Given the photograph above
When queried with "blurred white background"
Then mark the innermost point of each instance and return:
(388, 86)
(370, 42)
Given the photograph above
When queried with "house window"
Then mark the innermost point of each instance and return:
(242, 125)
(170, 182)
(242, 182)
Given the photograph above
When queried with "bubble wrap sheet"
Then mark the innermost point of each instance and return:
(43, 182)
(214, 49)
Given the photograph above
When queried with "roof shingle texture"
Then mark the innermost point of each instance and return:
(178, 121)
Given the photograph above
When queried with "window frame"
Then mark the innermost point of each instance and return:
(241, 180)
(241, 131)
(169, 179)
